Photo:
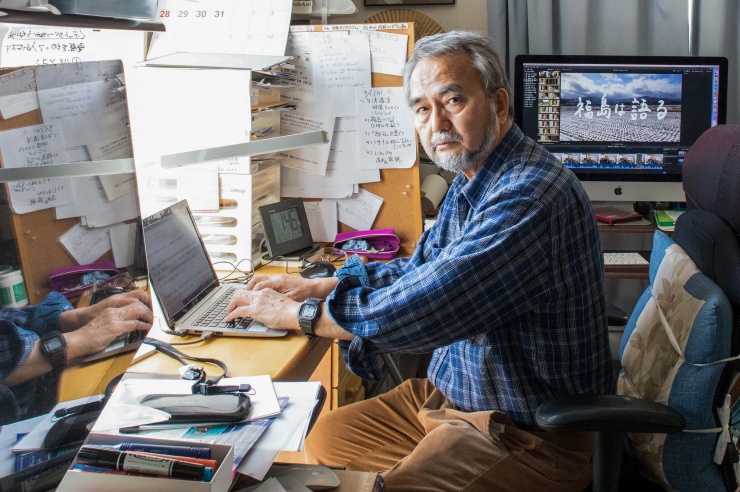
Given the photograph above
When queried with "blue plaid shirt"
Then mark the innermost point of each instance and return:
(506, 289)
(19, 330)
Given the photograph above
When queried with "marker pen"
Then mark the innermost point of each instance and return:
(140, 463)
(192, 451)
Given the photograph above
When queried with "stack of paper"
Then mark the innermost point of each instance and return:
(256, 441)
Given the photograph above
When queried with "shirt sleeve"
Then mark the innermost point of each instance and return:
(21, 327)
(498, 267)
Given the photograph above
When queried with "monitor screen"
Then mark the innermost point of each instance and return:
(622, 124)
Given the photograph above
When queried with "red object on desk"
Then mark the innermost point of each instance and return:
(614, 215)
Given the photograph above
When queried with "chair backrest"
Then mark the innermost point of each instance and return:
(686, 323)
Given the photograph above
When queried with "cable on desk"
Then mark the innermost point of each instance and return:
(206, 335)
(245, 275)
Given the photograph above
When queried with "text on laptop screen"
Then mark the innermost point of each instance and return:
(177, 258)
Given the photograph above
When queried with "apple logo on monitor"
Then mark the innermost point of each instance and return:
(618, 190)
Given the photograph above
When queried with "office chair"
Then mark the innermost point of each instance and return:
(680, 348)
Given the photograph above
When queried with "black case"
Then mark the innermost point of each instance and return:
(201, 408)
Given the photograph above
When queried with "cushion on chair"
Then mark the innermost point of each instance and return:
(699, 316)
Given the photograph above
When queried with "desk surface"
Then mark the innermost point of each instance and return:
(289, 358)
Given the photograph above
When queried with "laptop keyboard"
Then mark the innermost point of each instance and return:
(214, 316)
(118, 345)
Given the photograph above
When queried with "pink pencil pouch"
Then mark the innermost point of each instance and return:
(71, 281)
(378, 244)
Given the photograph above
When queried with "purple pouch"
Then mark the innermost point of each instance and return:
(383, 244)
(68, 281)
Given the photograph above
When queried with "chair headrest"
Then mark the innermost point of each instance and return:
(711, 173)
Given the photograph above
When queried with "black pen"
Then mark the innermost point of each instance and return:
(132, 461)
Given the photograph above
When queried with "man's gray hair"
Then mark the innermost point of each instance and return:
(480, 48)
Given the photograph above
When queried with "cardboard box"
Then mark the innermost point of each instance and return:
(80, 481)
(234, 233)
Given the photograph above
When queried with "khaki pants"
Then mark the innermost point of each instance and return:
(420, 443)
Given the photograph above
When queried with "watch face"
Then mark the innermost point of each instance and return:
(53, 344)
(308, 311)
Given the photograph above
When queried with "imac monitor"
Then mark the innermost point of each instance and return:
(623, 124)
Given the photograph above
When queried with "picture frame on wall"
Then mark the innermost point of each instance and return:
(387, 3)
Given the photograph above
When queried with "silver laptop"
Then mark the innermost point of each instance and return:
(184, 280)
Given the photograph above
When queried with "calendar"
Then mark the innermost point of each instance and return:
(250, 27)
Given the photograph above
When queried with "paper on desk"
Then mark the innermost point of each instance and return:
(9, 437)
(303, 398)
(124, 410)
(281, 434)
(34, 440)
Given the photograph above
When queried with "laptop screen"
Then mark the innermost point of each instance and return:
(179, 268)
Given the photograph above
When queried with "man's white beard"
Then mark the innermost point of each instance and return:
(466, 159)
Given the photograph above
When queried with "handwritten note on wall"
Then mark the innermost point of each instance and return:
(74, 96)
(86, 244)
(388, 52)
(341, 64)
(359, 210)
(18, 93)
(386, 126)
(31, 146)
(313, 158)
(302, 92)
(49, 45)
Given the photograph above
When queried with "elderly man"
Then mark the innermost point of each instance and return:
(506, 289)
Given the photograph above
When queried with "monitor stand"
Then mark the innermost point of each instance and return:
(294, 256)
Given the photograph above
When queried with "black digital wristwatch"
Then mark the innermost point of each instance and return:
(309, 312)
(54, 347)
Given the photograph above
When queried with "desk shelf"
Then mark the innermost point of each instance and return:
(629, 271)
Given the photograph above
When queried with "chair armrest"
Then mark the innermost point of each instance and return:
(598, 413)
(616, 316)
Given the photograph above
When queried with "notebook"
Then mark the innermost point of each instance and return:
(184, 281)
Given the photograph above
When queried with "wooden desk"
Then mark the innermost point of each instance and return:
(91, 379)
(288, 358)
